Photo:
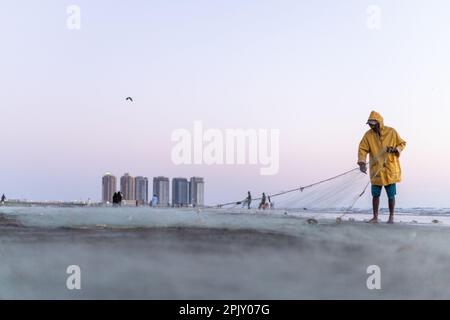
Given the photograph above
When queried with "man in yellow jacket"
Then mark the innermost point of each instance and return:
(384, 145)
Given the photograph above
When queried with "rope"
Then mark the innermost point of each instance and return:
(365, 188)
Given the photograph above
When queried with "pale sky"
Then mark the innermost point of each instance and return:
(312, 69)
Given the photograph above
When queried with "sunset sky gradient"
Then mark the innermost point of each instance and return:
(311, 69)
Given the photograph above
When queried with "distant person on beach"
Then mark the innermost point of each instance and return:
(154, 201)
(384, 145)
(3, 199)
(271, 204)
(119, 198)
(247, 200)
(114, 198)
(263, 204)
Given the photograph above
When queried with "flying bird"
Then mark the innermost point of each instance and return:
(129, 98)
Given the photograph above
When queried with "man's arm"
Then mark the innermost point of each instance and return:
(401, 144)
(363, 150)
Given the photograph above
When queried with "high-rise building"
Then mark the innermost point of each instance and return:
(108, 187)
(161, 189)
(180, 194)
(141, 190)
(197, 191)
(127, 187)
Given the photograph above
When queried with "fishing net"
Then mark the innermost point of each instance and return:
(340, 192)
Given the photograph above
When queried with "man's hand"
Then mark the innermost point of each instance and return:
(392, 150)
(362, 167)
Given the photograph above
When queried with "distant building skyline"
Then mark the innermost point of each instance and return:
(141, 189)
(183, 192)
(128, 187)
(197, 191)
(180, 192)
(161, 187)
(109, 187)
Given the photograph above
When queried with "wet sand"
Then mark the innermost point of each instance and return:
(324, 261)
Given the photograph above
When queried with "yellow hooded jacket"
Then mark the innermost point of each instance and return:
(384, 167)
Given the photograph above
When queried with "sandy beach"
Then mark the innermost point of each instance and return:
(289, 259)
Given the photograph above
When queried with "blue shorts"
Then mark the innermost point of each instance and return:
(391, 191)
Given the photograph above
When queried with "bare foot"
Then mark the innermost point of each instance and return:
(391, 220)
(373, 220)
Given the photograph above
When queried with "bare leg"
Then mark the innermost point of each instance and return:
(375, 205)
(391, 210)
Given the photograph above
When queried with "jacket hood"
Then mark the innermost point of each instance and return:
(376, 116)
